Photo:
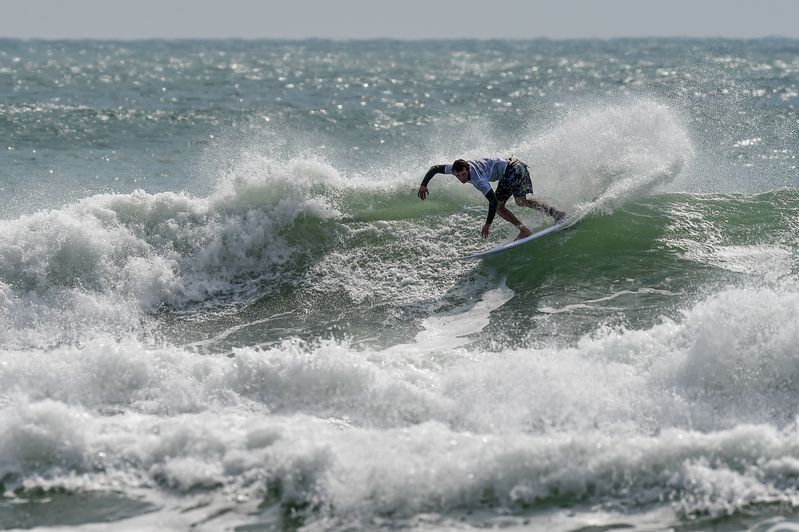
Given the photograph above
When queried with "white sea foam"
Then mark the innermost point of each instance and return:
(697, 411)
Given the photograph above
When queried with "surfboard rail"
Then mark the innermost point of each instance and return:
(563, 224)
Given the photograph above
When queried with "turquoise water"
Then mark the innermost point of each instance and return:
(222, 305)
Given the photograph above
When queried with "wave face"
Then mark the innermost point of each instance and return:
(229, 310)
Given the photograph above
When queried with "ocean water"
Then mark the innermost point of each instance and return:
(223, 307)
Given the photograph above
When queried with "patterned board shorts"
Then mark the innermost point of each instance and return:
(516, 182)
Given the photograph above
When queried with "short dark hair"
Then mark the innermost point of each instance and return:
(459, 165)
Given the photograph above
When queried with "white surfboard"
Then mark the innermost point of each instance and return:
(563, 224)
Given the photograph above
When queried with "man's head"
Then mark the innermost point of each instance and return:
(460, 169)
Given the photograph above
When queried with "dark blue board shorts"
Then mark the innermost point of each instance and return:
(515, 182)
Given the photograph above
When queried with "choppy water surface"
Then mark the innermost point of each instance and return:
(222, 305)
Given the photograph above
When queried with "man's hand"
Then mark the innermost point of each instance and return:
(422, 192)
(486, 229)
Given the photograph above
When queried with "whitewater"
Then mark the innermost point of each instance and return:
(223, 307)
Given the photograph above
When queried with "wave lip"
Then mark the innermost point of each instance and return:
(147, 250)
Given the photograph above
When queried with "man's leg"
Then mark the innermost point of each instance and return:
(541, 206)
(518, 182)
(506, 215)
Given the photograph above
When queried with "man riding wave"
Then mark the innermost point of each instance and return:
(514, 180)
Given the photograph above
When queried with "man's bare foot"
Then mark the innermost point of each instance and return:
(523, 233)
(558, 215)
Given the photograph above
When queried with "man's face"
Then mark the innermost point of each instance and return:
(462, 175)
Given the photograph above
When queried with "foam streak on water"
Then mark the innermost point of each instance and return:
(222, 305)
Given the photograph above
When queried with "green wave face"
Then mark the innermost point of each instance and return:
(632, 265)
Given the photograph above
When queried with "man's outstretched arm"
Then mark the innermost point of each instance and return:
(435, 169)
(493, 202)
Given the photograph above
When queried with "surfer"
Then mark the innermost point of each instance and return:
(514, 180)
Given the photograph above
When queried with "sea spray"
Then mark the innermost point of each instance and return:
(615, 152)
